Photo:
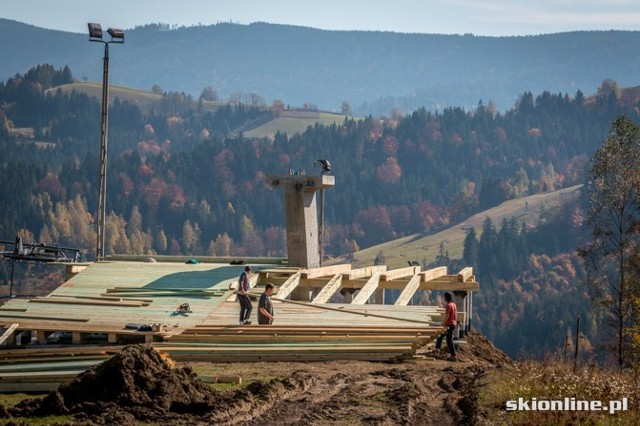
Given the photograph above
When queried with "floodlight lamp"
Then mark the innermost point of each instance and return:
(116, 34)
(95, 31)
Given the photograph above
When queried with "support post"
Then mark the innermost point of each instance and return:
(301, 209)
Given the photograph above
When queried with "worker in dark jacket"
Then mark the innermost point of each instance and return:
(243, 297)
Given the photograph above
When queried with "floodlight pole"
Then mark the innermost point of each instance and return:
(102, 198)
(117, 36)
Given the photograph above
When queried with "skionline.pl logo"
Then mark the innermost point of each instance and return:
(566, 404)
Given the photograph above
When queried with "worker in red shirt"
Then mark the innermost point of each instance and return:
(451, 313)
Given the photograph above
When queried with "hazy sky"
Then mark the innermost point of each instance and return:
(482, 17)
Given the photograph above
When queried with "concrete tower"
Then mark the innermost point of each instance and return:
(301, 209)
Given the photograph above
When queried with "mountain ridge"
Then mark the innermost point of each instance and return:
(326, 67)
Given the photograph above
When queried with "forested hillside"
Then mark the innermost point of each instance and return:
(179, 183)
(373, 71)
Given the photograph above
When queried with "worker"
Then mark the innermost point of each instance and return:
(451, 312)
(265, 307)
(243, 297)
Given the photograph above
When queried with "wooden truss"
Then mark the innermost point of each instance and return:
(325, 282)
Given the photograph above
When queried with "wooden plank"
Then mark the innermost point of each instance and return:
(465, 274)
(367, 291)
(292, 282)
(235, 380)
(400, 273)
(432, 274)
(43, 318)
(367, 272)
(89, 302)
(28, 387)
(408, 291)
(8, 333)
(325, 271)
(329, 290)
(57, 366)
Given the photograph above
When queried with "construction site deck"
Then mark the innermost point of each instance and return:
(325, 313)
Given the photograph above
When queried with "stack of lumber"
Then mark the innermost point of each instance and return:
(45, 368)
(296, 343)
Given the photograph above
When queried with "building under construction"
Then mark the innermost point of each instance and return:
(187, 309)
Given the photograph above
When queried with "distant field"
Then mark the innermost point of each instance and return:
(145, 99)
(292, 121)
(136, 96)
(418, 247)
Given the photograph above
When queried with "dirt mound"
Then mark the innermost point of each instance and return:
(137, 384)
(133, 384)
(477, 349)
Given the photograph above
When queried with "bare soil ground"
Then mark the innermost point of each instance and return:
(137, 386)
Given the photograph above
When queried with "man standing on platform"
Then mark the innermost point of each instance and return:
(451, 313)
(265, 307)
(243, 297)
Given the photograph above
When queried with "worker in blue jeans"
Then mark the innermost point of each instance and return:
(243, 297)
(451, 312)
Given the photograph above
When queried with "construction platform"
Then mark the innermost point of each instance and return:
(325, 313)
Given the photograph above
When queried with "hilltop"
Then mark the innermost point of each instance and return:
(299, 65)
(425, 245)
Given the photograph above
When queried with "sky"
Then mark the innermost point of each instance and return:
(479, 17)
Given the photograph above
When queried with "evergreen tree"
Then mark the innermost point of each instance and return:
(470, 252)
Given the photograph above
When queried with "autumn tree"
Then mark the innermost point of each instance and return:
(221, 246)
(613, 219)
(277, 108)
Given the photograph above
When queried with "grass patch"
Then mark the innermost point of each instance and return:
(425, 246)
(41, 421)
(291, 123)
(554, 380)
(9, 400)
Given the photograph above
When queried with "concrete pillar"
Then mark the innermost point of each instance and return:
(301, 211)
(461, 299)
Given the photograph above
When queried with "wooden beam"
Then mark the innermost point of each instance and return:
(400, 273)
(8, 333)
(368, 290)
(326, 271)
(92, 302)
(44, 318)
(367, 272)
(329, 290)
(465, 274)
(432, 274)
(408, 291)
(289, 285)
(452, 285)
(346, 311)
